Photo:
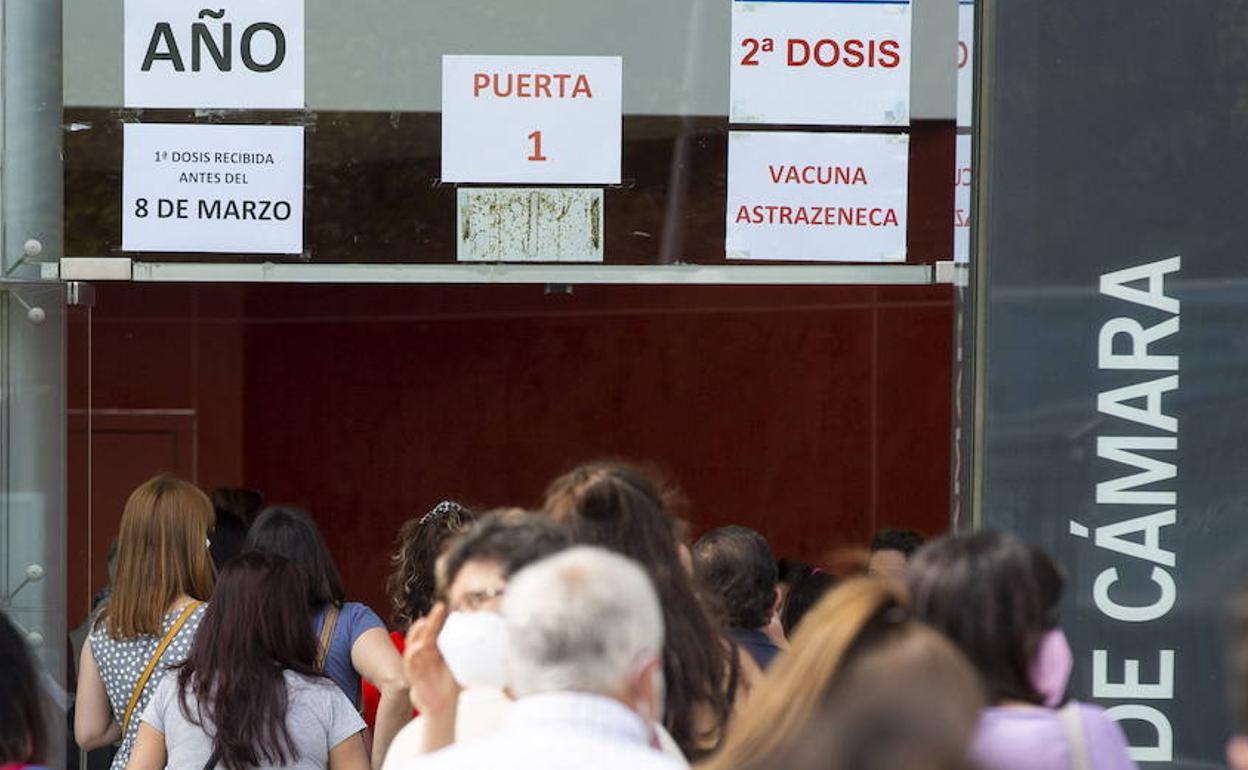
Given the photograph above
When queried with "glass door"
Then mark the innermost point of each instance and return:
(32, 347)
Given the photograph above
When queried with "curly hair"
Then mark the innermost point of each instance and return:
(412, 584)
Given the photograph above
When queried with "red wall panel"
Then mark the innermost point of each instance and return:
(813, 414)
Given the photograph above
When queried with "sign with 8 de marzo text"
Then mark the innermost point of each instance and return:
(232, 189)
(222, 54)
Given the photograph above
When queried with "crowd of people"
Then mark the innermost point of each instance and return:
(591, 632)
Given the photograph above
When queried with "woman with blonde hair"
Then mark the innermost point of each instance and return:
(164, 576)
(861, 630)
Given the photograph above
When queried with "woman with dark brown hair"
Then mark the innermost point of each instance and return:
(997, 597)
(164, 575)
(618, 507)
(250, 695)
(413, 583)
(354, 644)
(23, 734)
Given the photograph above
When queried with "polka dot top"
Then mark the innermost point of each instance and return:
(121, 663)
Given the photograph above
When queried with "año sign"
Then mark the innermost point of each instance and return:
(220, 54)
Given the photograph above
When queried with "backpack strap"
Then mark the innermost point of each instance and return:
(327, 635)
(1072, 723)
(151, 664)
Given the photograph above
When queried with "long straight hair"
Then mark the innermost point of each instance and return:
(995, 596)
(23, 735)
(255, 629)
(162, 553)
(291, 533)
(621, 508)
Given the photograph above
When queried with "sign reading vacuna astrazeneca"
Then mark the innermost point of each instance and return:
(213, 188)
(821, 62)
(532, 119)
(817, 196)
(215, 54)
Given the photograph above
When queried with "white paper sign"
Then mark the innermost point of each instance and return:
(531, 119)
(962, 201)
(820, 197)
(815, 62)
(223, 54)
(966, 61)
(231, 189)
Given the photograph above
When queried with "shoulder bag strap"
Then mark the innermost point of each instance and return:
(213, 759)
(151, 664)
(1072, 723)
(327, 636)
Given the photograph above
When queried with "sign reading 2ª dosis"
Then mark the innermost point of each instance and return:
(221, 54)
(821, 62)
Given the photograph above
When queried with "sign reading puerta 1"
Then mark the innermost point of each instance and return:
(800, 185)
(532, 119)
(213, 188)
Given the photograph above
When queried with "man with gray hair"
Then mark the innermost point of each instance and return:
(585, 640)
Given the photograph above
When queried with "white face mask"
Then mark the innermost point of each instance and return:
(474, 646)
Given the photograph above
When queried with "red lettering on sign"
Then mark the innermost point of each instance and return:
(799, 52)
(826, 175)
(854, 53)
(537, 156)
(542, 86)
(751, 57)
(820, 216)
(854, 56)
(532, 85)
(890, 54)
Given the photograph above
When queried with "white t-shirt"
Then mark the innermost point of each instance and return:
(318, 716)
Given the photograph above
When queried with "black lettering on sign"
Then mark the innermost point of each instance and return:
(163, 45)
(253, 210)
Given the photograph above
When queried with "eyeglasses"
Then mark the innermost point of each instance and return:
(475, 600)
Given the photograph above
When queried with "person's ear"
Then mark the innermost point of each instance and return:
(648, 692)
(1237, 752)
(777, 601)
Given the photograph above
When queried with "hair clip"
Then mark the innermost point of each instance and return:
(444, 508)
